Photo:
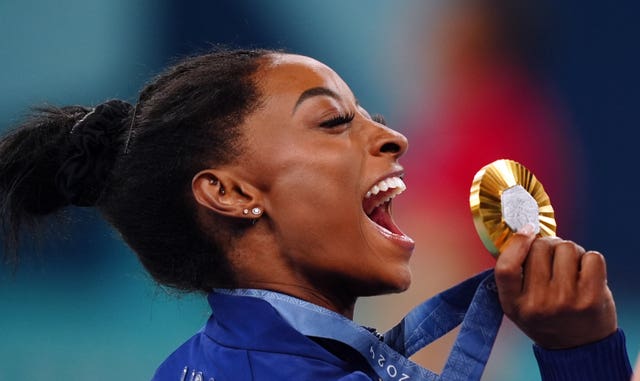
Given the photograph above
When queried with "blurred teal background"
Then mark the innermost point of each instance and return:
(81, 307)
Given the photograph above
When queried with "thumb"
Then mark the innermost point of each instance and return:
(508, 270)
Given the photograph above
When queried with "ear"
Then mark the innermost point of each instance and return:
(224, 193)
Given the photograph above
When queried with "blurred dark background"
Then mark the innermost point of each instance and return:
(554, 85)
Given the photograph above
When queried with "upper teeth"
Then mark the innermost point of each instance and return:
(395, 183)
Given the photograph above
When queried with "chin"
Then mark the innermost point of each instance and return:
(397, 283)
(401, 278)
(404, 284)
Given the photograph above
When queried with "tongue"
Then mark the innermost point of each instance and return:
(380, 216)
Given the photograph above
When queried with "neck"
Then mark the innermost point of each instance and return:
(271, 270)
(343, 305)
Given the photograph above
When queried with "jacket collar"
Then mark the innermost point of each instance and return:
(250, 323)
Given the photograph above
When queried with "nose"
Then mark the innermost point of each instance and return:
(388, 142)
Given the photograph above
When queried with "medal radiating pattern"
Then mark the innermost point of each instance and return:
(504, 196)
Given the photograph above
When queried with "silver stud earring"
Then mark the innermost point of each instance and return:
(213, 181)
(245, 211)
(256, 211)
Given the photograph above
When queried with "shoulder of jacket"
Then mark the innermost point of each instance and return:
(272, 366)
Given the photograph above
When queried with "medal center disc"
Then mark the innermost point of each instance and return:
(519, 208)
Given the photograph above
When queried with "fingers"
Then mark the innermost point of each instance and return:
(566, 266)
(531, 269)
(538, 265)
(555, 292)
(593, 273)
(508, 270)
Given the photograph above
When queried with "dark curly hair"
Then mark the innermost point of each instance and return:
(136, 164)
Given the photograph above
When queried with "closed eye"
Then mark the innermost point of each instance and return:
(338, 120)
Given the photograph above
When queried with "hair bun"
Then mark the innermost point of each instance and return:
(94, 142)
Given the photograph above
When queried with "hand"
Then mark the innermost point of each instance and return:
(555, 292)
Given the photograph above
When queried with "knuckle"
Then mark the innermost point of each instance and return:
(568, 249)
(568, 308)
(508, 308)
(594, 260)
(595, 256)
(505, 272)
(551, 240)
(566, 246)
(565, 300)
(561, 303)
(531, 311)
(559, 306)
(591, 303)
(588, 306)
(541, 244)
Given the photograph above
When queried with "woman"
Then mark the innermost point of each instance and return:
(258, 175)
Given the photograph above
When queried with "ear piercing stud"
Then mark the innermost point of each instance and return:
(255, 211)
(214, 181)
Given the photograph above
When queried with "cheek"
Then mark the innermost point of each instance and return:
(313, 195)
(316, 174)
(317, 200)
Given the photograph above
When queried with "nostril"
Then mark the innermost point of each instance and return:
(390, 147)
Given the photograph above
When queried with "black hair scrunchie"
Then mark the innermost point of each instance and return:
(92, 151)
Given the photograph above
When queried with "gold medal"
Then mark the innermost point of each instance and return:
(504, 197)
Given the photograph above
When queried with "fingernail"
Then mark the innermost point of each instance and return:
(527, 229)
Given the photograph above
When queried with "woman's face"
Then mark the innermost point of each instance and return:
(318, 159)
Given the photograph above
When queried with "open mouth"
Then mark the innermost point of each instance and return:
(377, 203)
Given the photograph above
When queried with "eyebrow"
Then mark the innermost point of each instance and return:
(314, 92)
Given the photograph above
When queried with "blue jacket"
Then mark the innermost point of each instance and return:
(246, 339)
